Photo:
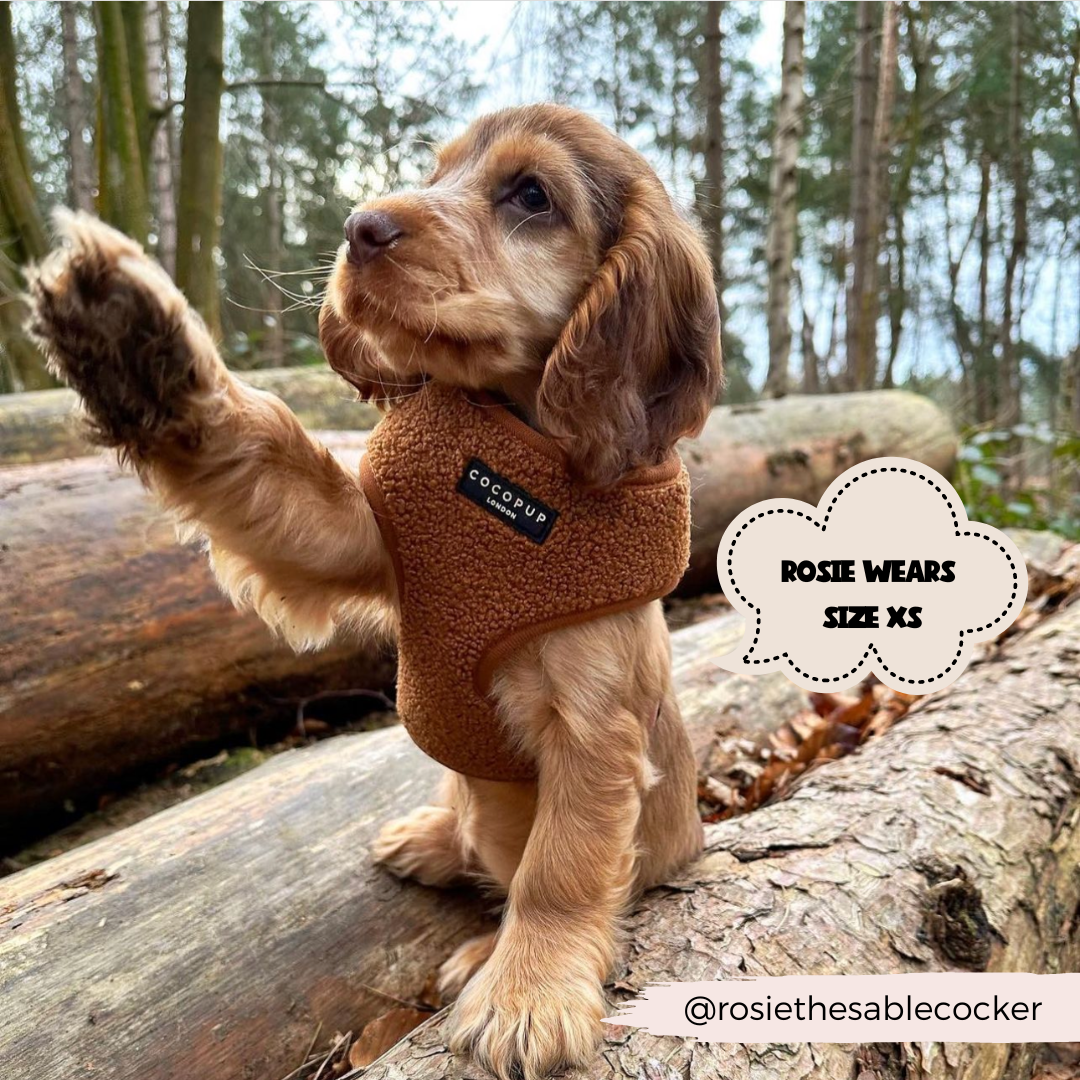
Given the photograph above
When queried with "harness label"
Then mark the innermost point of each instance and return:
(506, 501)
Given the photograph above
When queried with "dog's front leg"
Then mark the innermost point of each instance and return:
(538, 1001)
(290, 531)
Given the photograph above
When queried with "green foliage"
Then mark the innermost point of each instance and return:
(341, 135)
(1049, 495)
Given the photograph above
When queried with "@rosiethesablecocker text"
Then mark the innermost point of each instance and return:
(701, 1010)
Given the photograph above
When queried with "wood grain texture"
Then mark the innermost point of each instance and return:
(213, 939)
(117, 650)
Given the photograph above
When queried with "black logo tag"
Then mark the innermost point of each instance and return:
(507, 501)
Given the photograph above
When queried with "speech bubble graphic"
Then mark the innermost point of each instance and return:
(885, 575)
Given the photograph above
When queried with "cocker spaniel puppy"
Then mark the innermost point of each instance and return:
(542, 276)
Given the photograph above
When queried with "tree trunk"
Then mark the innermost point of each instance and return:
(794, 448)
(984, 368)
(713, 89)
(22, 232)
(860, 363)
(122, 191)
(915, 22)
(783, 194)
(82, 174)
(869, 302)
(118, 651)
(274, 352)
(1009, 407)
(226, 936)
(16, 183)
(157, 44)
(133, 13)
(199, 211)
(22, 367)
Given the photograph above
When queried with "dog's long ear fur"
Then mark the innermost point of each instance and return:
(638, 364)
(354, 358)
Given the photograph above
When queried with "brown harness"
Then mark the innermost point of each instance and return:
(493, 544)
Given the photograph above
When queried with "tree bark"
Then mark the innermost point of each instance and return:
(119, 653)
(16, 183)
(783, 191)
(82, 174)
(157, 45)
(869, 302)
(122, 191)
(1009, 405)
(22, 231)
(199, 212)
(221, 937)
(713, 87)
(274, 352)
(860, 364)
(133, 13)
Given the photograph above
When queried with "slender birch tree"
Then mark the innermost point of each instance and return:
(783, 198)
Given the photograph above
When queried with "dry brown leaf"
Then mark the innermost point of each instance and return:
(382, 1033)
(835, 727)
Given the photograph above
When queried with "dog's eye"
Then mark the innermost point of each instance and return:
(530, 195)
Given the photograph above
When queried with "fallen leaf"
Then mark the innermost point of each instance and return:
(382, 1033)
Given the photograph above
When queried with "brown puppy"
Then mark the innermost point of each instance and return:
(543, 261)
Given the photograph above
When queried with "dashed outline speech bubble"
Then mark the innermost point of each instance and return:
(886, 510)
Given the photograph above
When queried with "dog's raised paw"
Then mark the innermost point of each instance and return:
(116, 329)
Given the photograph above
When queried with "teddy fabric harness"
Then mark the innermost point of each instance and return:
(493, 544)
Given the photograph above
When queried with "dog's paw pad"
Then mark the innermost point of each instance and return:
(115, 328)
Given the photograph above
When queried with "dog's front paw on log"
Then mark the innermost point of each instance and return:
(423, 845)
(529, 1020)
(116, 329)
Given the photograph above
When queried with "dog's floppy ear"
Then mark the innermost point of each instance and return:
(637, 365)
(356, 360)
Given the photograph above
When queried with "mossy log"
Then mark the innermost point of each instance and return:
(117, 651)
(221, 937)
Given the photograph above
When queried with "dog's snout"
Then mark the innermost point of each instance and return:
(370, 233)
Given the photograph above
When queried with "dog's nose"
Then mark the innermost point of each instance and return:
(370, 233)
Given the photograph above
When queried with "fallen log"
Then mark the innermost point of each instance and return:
(220, 938)
(117, 649)
(952, 842)
(118, 652)
(215, 939)
(43, 425)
